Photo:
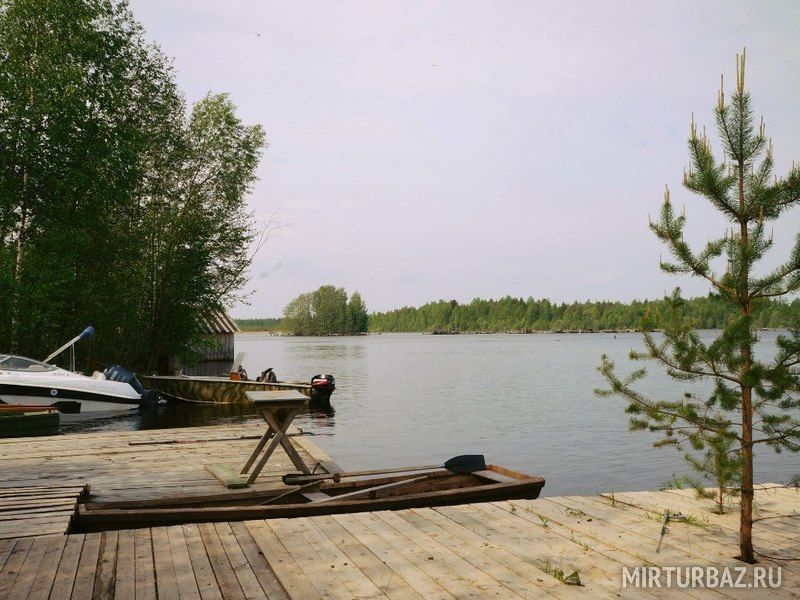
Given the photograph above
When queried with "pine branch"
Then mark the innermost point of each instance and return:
(696, 371)
(661, 415)
(783, 437)
(670, 230)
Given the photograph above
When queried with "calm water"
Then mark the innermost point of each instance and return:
(525, 401)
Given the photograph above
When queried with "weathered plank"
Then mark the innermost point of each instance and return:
(105, 581)
(87, 567)
(290, 575)
(125, 581)
(394, 559)
(226, 578)
(185, 580)
(203, 572)
(387, 580)
(446, 567)
(266, 576)
(166, 576)
(67, 570)
(323, 575)
(251, 588)
(45, 575)
(27, 572)
(359, 585)
(13, 565)
(145, 580)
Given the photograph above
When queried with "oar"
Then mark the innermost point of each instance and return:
(371, 490)
(306, 486)
(466, 463)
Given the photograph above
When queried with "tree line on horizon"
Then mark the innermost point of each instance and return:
(517, 315)
(120, 206)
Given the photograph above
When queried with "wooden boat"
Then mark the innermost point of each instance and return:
(24, 421)
(223, 389)
(415, 487)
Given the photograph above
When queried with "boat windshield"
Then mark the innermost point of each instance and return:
(9, 362)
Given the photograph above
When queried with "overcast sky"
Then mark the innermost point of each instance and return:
(426, 150)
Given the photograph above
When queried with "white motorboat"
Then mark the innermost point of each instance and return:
(25, 381)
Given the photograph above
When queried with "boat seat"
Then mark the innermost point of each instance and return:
(315, 496)
(494, 476)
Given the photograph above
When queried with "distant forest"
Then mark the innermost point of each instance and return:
(268, 324)
(516, 315)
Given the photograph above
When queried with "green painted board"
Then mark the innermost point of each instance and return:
(229, 478)
(29, 424)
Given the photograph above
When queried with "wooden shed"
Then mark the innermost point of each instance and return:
(219, 329)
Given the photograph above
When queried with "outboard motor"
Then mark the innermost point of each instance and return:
(267, 376)
(322, 387)
(123, 375)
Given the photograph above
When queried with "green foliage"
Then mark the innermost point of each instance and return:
(753, 401)
(116, 207)
(298, 317)
(357, 316)
(325, 311)
(674, 483)
(268, 324)
(721, 464)
(524, 316)
(572, 578)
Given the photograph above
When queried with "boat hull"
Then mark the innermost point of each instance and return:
(442, 489)
(82, 401)
(220, 389)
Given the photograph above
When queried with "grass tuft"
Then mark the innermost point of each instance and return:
(573, 578)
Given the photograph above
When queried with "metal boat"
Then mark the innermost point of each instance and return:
(233, 387)
(25, 381)
(211, 389)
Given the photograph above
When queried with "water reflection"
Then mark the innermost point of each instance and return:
(312, 349)
(320, 417)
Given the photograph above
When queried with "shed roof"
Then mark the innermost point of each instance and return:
(216, 321)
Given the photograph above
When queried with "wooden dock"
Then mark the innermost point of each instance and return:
(130, 465)
(492, 550)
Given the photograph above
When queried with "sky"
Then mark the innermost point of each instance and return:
(462, 149)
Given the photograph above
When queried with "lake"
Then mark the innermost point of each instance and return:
(525, 401)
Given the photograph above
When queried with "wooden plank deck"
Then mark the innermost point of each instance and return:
(489, 550)
(128, 465)
(37, 510)
(41, 478)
